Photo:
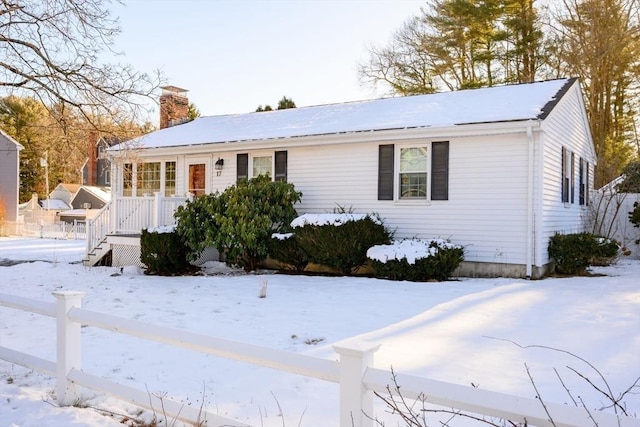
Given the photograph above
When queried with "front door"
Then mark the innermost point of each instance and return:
(197, 178)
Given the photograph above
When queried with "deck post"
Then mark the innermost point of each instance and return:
(157, 207)
(68, 353)
(356, 402)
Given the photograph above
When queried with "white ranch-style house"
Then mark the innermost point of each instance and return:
(498, 170)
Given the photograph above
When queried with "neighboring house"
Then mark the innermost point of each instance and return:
(498, 170)
(64, 192)
(96, 171)
(9, 177)
(89, 197)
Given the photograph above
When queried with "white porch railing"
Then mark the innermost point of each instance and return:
(129, 215)
(353, 372)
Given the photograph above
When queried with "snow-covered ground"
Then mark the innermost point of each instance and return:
(459, 331)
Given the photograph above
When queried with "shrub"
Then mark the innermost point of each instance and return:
(339, 241)
(254, 210)
(573, 253)
(240, 221)
(416, 260)
(163, 253)
(196, 223)
(285, 249)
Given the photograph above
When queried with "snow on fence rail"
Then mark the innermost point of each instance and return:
(354, 373)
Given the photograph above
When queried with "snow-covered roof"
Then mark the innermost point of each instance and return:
(71, 188)
(54, 204)
(101, 193)
(529, 101)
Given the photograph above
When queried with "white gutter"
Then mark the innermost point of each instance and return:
(529, 254)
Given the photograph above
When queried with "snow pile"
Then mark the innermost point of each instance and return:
(409, 249)
(162, 229)
(329, 219)
(282, 236)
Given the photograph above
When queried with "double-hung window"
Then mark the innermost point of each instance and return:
(169, 179)
(568, 176)
(413, 173)
(262, 165)
(148, 181)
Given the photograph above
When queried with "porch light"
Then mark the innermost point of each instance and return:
(219, 164)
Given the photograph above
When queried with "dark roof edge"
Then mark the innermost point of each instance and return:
(549, 106)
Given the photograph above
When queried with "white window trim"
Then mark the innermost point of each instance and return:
(396, 167)
(271, 154)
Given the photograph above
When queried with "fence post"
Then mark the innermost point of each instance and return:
(68, 354)
(356, 402)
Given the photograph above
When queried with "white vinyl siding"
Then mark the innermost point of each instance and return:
(565, 127)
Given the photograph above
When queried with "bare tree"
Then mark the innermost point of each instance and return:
(52, 50)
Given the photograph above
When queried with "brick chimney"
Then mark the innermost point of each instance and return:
(174, 106)
(92, 162)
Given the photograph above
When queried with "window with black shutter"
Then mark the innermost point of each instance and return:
(385, 172)
(440, 170)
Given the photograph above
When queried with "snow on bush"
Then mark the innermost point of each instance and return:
(409, 249)
(330, 219)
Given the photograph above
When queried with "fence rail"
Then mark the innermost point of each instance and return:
(354, 372)
(59, 230)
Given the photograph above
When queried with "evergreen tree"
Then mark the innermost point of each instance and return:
(601, 41)
(285, 103)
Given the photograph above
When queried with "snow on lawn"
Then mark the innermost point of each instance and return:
(459, 331)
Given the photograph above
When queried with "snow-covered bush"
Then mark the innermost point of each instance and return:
(163, 252)
(339, 240)
(573, 253)
(416, 259)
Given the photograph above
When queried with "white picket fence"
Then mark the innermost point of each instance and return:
(354, 372)
(59, 230)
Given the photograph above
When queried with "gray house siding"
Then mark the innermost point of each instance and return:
(9, 175)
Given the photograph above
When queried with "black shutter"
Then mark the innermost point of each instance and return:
(440, 170)
(242, 167)
(564, 183)
(586, 184)
(281, 166)
(581, 186)
(573, 177)
(385, 172)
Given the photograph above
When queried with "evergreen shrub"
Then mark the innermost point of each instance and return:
(286, 250)
(240, 221)
(573, 253)
(163, 253)
(339, 241)
(416, 260)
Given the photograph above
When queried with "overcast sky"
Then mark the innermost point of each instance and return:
(235, 55)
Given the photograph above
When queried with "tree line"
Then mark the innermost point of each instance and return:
(462, 44)
(58, 90)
